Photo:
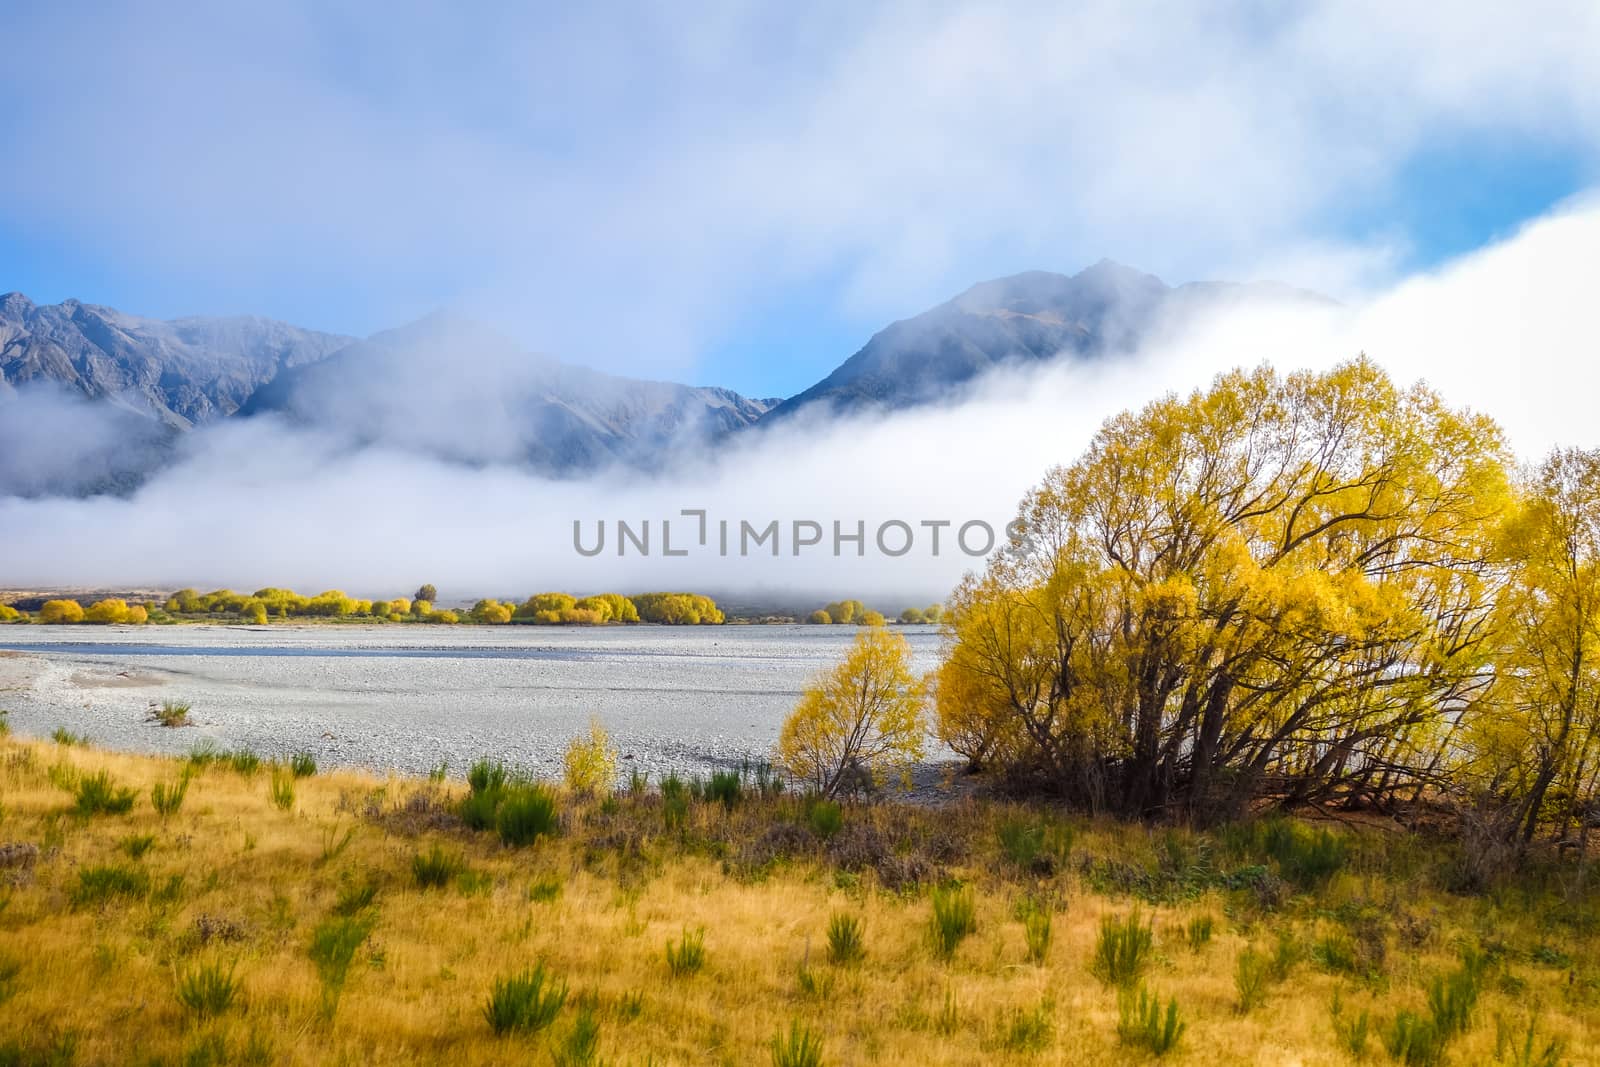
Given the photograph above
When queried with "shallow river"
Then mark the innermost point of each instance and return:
(409, 697)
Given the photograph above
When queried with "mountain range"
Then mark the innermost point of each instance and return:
(458, 390)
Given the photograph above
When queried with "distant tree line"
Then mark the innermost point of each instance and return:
(265, 605)
(854, 613)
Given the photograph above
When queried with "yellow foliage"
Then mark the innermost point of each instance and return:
(61, 611)
(108, 611)
(865, 716)
(590, 762)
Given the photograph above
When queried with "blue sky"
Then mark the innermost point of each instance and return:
(743, 196)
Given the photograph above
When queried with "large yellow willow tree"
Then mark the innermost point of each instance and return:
(1536, 747)
(1281, 585)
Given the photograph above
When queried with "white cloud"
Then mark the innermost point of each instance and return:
(1510, 330)
(626, 184)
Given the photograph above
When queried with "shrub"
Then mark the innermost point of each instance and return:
(1142, 1024)
(688, 956)
(333, 947)
(1452, 997)
(61, 611)
(302, 764)
(526, 814)
(799, 1047)
(172, 713)
(954, 917)
(1026, 1030)
(1306, 857)
(486, 777)
(1527, 1051)
(208, 990)
(355, 898)
(1413, 1040)
(136, 845)
(167, 797)
(436, 868)
(243, 761)
(1350, 1031)
(98, 794)
(281, 789)
(590, 762)
(99, 884)
(1036, 921)
(1198, 932)
(1122, 950)
(524, 1003)
(819, 618)
(825, 818)
(581, 1046)
(726, 787)
(478, 810)
(845, 941)
(1252, 976)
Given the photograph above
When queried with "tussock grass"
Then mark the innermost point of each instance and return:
(207, 990)
(99, 794)
(954, 918)
(281, 790)
(797, 1047)
(302, 764)
(1123, 949)
(687, 955)
(524, 1003)
(344, 957)
(1142, 1022)
(437, 867)
(527, 814)
(171, 713)
(846, 940)
(167, 797)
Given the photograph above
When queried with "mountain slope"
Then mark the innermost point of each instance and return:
(182, 372)
(1104, 310)
(452, 388)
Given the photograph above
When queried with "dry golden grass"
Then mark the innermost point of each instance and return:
(101, 977)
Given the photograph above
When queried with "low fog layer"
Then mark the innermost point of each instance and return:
(1509, 330)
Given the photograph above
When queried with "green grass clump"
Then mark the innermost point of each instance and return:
(208, 990)
(96, 885)
(333, 946)
(581, 1045)
(1413, 1040)
(355, 898)
(436, 868)
(136, 845)
(688, 955)
(243, 761)
(527, 814)
(955, 916)
(798, 1047)
(171, 713)
(726, 788)
(1142, 1024)
(825, 818)
(1036, 921)
(846, 944)
(302, 764)
(1453, 997)
(1026, 1029)
(485, 776)
(281, 790)
(63, 736)
(1252, 978)
(1306, 857)
(98, 794)
(1122, 950)
(524, 1003)
(1350, 1030)
(167, 797)
(1528, 1050)
(1198, 932)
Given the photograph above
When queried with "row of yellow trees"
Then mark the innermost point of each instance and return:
(1315, 588)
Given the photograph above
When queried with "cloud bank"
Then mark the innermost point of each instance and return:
(625, 187)
(1509, 330)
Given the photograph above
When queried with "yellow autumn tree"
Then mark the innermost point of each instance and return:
(590, 762)
(863, 720)
(108, 611)
(61, 611)
(1279, 585)
(1536, 747)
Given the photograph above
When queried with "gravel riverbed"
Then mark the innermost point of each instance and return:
(405, 698)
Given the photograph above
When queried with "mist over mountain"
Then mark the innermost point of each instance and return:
(455, 390)
(1105, 310)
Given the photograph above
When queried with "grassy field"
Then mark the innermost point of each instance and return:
(339, 917)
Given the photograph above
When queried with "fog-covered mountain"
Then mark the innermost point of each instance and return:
(460, 391)
(182, 372)
(452, 389)
(1104, 310)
